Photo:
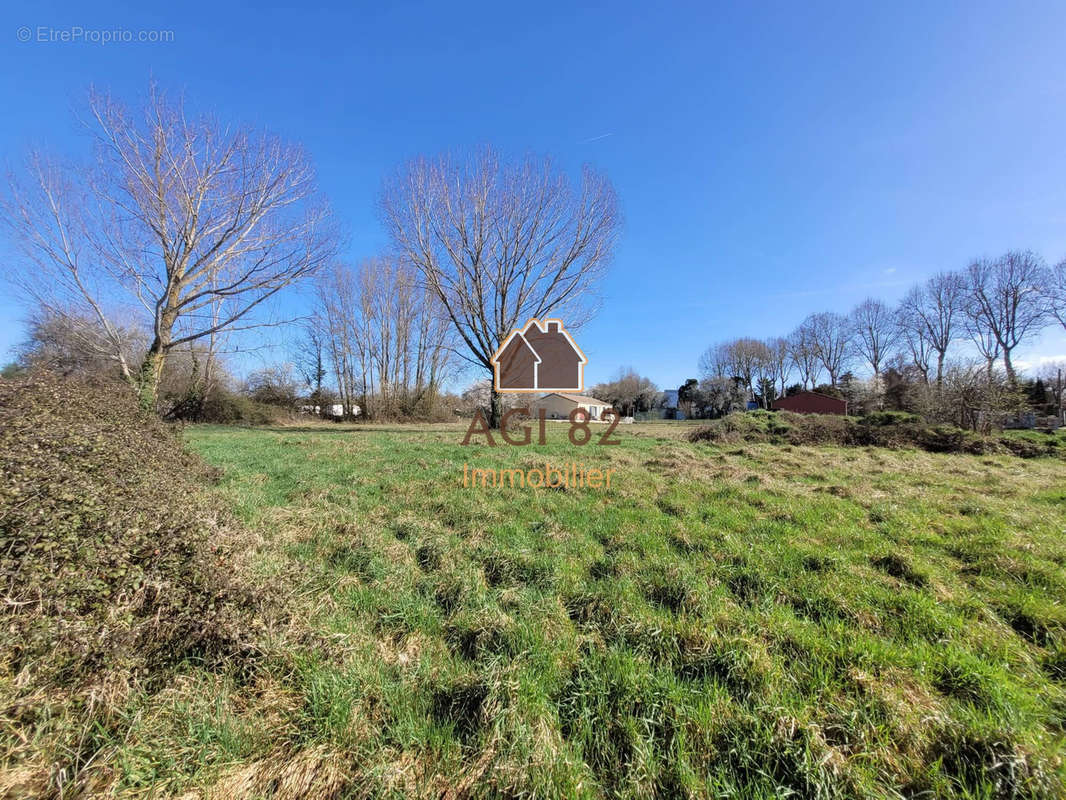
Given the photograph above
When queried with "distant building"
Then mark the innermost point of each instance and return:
(811, 403)
(559, 405)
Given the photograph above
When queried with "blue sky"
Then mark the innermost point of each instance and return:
(771, 159)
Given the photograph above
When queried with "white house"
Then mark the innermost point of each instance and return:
(558, 405)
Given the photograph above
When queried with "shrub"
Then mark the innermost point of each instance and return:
(890, 418)
(229, 408)
(891, 429)
(111, 557)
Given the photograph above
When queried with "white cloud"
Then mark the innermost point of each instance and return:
(1030, 364)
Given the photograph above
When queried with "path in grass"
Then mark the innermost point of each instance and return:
(739, 619)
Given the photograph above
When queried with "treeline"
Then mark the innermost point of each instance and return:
(946, 350)
(374, 348)
(383, 339)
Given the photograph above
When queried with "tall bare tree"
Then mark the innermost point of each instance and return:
(803, 352)
(337, 314)
(1054, 292)
(716, 361)
(744, 358)
(499, 242)
(930, 315)
(1006, 300)
(833, 337)
(309, 356)
(918, 345)
(189, 224)
(876, 333)
(386, 336)
(983, 338)
(778, 363)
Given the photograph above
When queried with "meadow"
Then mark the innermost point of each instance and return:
(749, 621)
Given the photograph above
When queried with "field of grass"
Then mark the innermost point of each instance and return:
(748, 621)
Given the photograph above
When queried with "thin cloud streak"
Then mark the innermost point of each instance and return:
(842, 288)
(596, 138)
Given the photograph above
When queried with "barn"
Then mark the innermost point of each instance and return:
(811, 403)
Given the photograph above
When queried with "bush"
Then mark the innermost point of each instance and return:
(891, 429)
(228, 408)
(112, 560)
(890, 418)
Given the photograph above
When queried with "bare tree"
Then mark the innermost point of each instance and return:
(309, 357)
(931, 313)
(386, 336)
(1054, 292)
(983, 338)
(72, 343)
(778, 363)
(833, 342)
(915, 338)
(190, 224)
(976, 398)
(738, 358)
(337, 313)
(876, 332)
(1006, 300)
(803, 352)
(716, 361)
(500, 242)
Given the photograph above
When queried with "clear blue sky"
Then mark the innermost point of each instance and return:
(771, 159)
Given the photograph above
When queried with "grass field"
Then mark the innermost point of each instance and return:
(749, 621)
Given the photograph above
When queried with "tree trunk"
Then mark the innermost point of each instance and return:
(1011, 377)
(495, 409)
(1058, 390)
(939, 370)
(147, 380)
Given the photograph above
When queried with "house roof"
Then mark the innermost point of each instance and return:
(806, 392)
(578, 398)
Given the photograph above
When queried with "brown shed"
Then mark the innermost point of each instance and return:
(811, 403)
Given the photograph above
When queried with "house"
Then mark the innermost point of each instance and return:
(539, 357)
(559, 405)
(811, 403)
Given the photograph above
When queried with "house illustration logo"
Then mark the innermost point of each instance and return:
(540, 357)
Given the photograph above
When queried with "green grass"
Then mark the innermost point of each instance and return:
(1053, 440)
(750, 621)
